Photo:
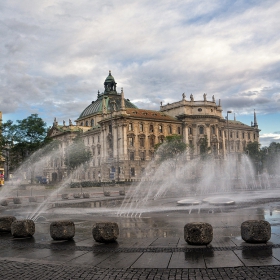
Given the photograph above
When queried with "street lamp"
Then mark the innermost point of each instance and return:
(228, 150)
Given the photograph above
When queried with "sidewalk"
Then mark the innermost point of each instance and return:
(145, 258)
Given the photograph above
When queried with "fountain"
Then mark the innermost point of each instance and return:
(196, 187)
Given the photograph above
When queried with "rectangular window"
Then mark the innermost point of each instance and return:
(152, 142)
(131, 156)
(141, 127)
(142, 142)
(132, 171)
(151, 128)
(237, 134)
(142, 156)
(160, 128)
(179, 130)
(130, 141)
(130, 127)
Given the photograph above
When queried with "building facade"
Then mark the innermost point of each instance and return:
(122, 137)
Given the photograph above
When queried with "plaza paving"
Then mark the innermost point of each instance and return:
(150, 247)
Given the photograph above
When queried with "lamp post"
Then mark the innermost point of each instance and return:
(228, 149)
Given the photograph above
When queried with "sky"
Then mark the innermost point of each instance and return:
(55, 56)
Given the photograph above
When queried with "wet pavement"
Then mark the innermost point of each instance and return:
(149, 247)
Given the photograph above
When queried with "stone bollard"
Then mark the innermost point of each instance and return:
(198, 233)
(4, 202)
(107, 193)
(121, 192)
(105, 232)
(255, 231)
(86, 195)
(76, 195)
(62, 230)
(64, 196)
(23, 228)
(32, 199)
(17, 200)
(6, 222)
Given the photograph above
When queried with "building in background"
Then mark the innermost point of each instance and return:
(122, 137)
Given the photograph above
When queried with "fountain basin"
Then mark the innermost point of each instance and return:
(188, 201)
(219, 201)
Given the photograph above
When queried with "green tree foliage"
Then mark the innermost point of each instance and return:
(77, 154)
(253, 151)
(23, 138)
(171, 149)
(266, 158)
(271, 158)
(204, 148)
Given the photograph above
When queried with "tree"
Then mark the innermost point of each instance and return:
(204, 148)
(271, 158)
(22, 139)
(172, 148)
(77, 154)
(256, 155)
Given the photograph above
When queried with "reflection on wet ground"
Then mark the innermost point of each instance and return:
(154, 240)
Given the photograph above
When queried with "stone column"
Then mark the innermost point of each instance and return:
(125, 141)
(224, 142)
(195, 139)
(115, 139)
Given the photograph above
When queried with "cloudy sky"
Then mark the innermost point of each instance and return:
(55, 55)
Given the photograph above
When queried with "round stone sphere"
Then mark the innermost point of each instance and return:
(198, 233)
(105, 232)
(23, 228)
(6, 223)
(255, 231)
(62, 230)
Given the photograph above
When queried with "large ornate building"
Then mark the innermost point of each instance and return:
(122, 137)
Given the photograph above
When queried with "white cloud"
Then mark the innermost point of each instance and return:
(57, 52)
(266, 139)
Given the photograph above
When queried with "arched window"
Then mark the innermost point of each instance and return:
(160, 128)
(170, 129)
(92, 122)
(86, 123)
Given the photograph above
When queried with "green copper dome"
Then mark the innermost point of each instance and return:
(111, 97)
